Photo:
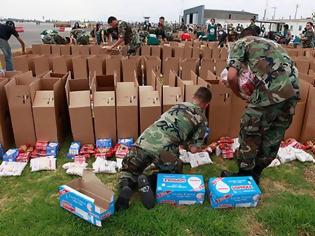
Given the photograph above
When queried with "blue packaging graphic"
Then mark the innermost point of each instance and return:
(233, 192)
(74, 150)
(126, 141)
(180, 189)
(11, 155)
(1, 151)
(52, 149)
(104, 143)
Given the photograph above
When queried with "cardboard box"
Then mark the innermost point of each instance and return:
(156, 51)
(61, 64)
(152, 64)
(95, 49)
(145, 50)
(51, 75)
(187, 52)
(224, 53)
(48, 103)
(104, 100)
(88, 198)
(95, 64)
(150, 106)
(170, 97)
(42, 64)
(24, 63)
(196, 53)
(233, 192)
(308, 78)
(6, 132)
(19, 100)
(308, 130)
(167, 51)
(55, 50)
(80, 67)
(113, 66)
(65, 50)
(10, 74)
(219, 67)
(180, 189)
(186, 66)
(206, 65)
(179, 52)
(189, 87)
(83, 50)
(79, 103)
(127, 109)
(36, 49)
(45, 49)
(302, 65)
(130, 66)
(206, 53)
(237, 110)
(169, 64)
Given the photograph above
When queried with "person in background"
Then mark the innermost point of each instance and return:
(308, 36)
(271, 105)
(287, 36)
(184, 125)
(212, 30)
(160, 30)
(94, 33)
(127, 35)
(76, 26)
(52, 37)
(222, 36)
(6, 30)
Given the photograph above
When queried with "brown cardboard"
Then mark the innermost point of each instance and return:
(150, 107)
(170, 63)
(171, 96)
(104, 98)
(179, 52)
(292, 53)
(206, 53)
(312, 66)
(42, 64)
(61, 64)
(24, 63)
(20, 106)
(36, 49)
(65, 50)
(79, 102)
(55, 50)
(52, 75)
(113, 66)
(188, 87)
(152, 64)
(95, 49)
(95, 64)
(302, 65)
(308, 130)
(215, 53)
(127, 110)
(206, 65)
(10, 74)
(145, 50)
(6, 132)
(224, 53)
(167, 52)
(196, 53)
(156, 51)
(48, 103)
(219, 66)
(80, 67)
(130, 66)
(186, 66)
(187, 52)
(45, 49)
(294, 131)
(237, 110)
(75, 50)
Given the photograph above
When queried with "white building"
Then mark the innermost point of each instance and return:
(296, 26)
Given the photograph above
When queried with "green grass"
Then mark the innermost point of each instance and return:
(29, 206)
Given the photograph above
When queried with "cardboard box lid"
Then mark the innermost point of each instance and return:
(93, 187)
(44, 99)
(104, 98)
(79, 99)
(149, 98)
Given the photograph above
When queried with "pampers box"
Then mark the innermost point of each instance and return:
(180, 189)
(88, 198)
(233, 192)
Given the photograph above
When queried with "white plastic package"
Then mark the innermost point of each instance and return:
(274, 163)
(184, 156)
(75, 168)
(235, 145)
(104, 166)
(12, 168)
(199, 159)
(303, 156)
(119, 163)
(43, 163)
(286, 154)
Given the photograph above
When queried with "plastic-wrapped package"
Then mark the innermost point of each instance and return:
(199, 159)
(274, 163)
(43, 163)
(303, 156)
(103, 166)
(12, 168)
(75, 168)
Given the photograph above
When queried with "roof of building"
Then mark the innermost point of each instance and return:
(228, 11)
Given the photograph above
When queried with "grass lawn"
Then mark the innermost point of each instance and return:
(29, 206)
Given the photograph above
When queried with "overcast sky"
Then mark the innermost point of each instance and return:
(135, 10)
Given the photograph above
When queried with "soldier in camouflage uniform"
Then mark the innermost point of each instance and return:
(80, 36)
(271, 106)
(52, 37)
(309, 36)
(184, 124)
(127, 35)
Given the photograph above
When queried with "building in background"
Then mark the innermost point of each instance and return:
(296, 26)
(199, 15)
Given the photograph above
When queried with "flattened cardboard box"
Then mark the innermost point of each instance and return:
(6, 133)
(127, 110)
(79, 102)
(113, 66)
(88, 198)
(104, 109)
(62, 64)
(150, 107)
(80, 67)
(19, 100)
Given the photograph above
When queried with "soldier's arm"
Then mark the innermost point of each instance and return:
(197, 141)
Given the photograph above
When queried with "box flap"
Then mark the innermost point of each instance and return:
(104, 98)
(44, 99)
(78, 85)
(79, 99)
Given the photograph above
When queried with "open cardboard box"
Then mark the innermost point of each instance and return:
(127, 109)
(9, 74)
(167, 51)
(104, 99)
(48, 103)
(152, 64)
(80, 67)
(189, 87)
(20, 106)
(150, 106)
(186, 66)
(96, 64)
(79, 103)
(113, 66)
(131, 66)
(170, 64)
(145, 50)
(42, 64)
(24, 63)
(61, 64)
(156, 51)
(206, 65)
(88, 198)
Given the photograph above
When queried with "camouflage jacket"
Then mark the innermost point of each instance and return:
(310, 37)
(184, 124)
(269, 62)
(130, 36)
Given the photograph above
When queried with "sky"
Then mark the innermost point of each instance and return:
(135, 10)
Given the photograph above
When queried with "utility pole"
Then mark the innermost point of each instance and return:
(265, 11)
(296, 9)
(274, 12)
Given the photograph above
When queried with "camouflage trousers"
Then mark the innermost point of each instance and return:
(261, 132)
(137, 161)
